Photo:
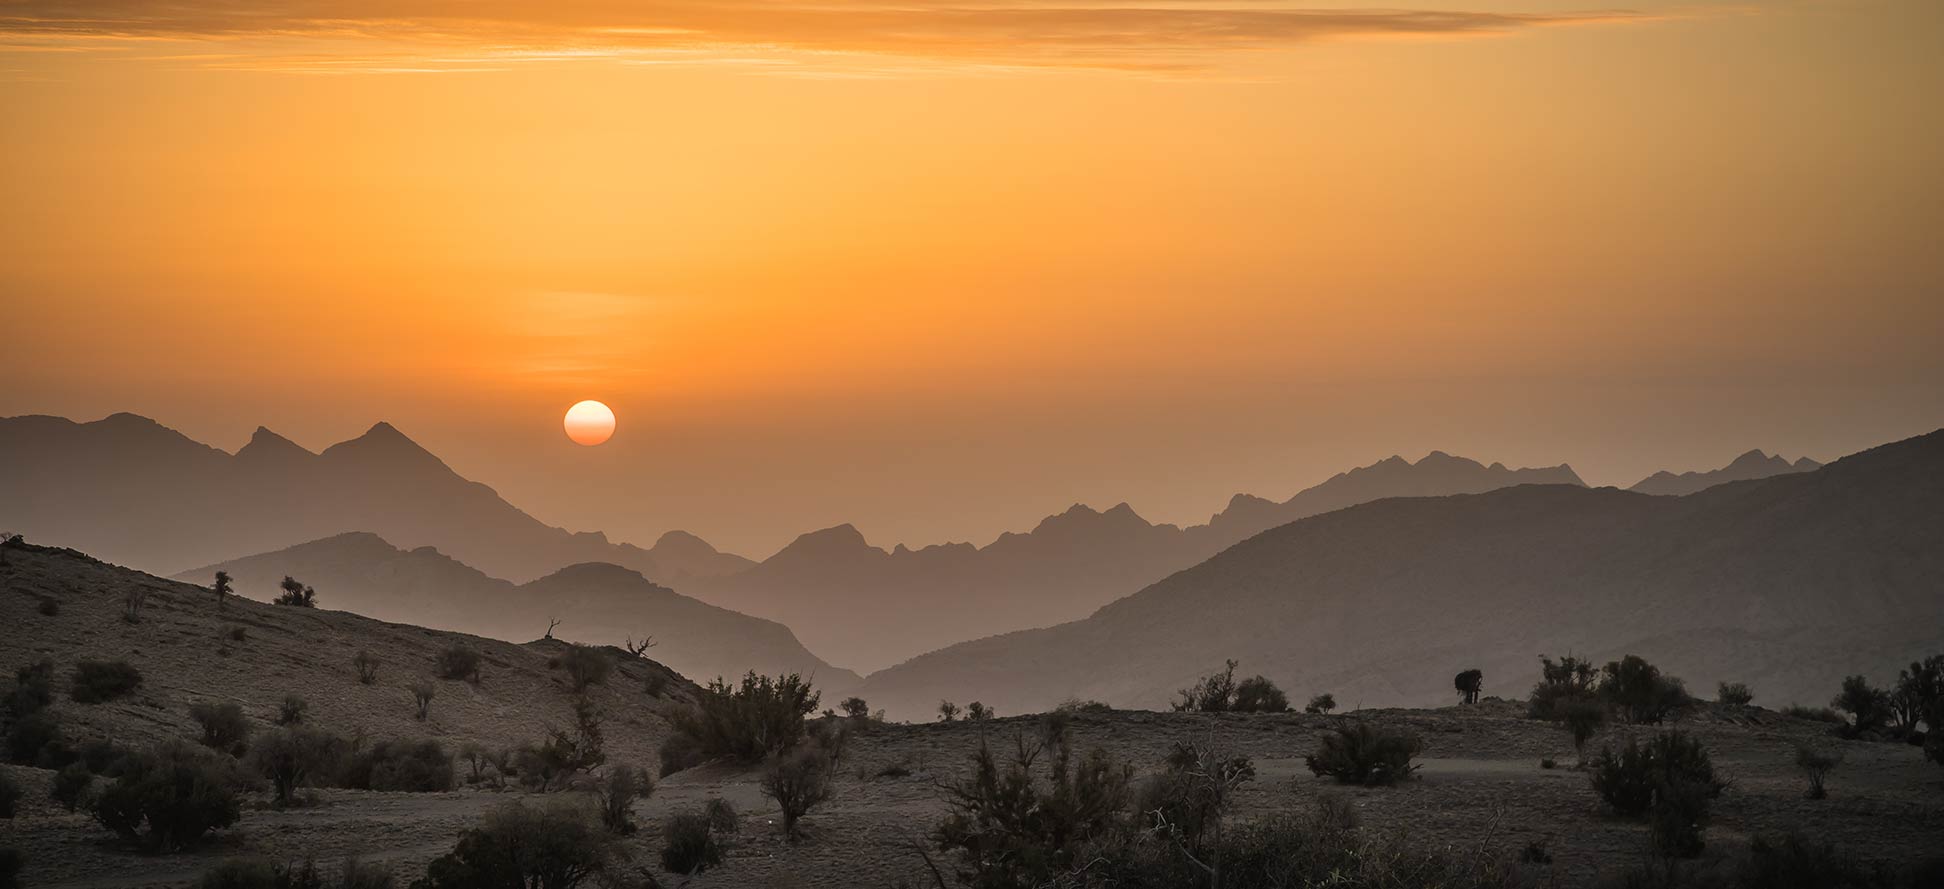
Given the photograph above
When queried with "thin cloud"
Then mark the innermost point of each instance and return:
(1159, 36)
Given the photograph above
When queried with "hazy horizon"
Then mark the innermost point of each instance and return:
(938, 275)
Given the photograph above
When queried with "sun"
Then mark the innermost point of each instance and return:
(589, 423)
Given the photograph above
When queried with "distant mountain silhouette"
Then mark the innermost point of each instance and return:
(130, 490)
(1752, 465)
(1788, 583)
(868, 608)
(595, 602)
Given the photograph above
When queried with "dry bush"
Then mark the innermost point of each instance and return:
(1816, 766)
(367, 667)
(413, 766)
(1670, 781)
(1734, 694)
(689, 844)
(798, 780)
(290, 757)
(459, 662)
(1360, 752)
(517, 845)
(617, 792)
(422, 694)
(167, 799)
(747, 722)
(224, 727)
(98, 682)
(585, 666)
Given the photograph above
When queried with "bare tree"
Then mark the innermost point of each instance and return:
(551, 624)
(639, 649)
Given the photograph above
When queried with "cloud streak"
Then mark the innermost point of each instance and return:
(1161, 35)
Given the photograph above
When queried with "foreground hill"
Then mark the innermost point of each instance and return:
(132, 491)
(868, 608)
(188, 651)
(1783, 582)
(1752, 465)
(594, 602)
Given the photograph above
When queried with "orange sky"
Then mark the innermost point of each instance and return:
(939, 269)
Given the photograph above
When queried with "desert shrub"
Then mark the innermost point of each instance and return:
(1547, 762)
(1009, 826)
(97, 682)
(37, 740)
(1469, 683)
(1076, 705)
(689, 844)
(833, 736)
(1257, 694)
(422, 695)
(1535, 853)
(291, 711)
(1867, 706)
(517, 845)
(585, 666)
(291, 756)
(295, 594)
(1734, 694)
(1214, 693)
(48, 607)
(1813, 714)
(32, 691)
(1816, 766)
(1364, 753)
(221, 588)
(655, 684)
(459, 662)
(239, 633)
(1640, 693)
(798, 779)
(367, 667)
(567, 752)
(1560, 682)
(1188, 799)
(9, 795)
(1919, 688)
(618, 791)
(947, 711)
(748, 722)
(224, 727)
(132, 602)
(722, 816)
(1582, 718)
(977, 711)
(166, 799)
(71, 785)
(1320, 704)
(856, 708)
(411, 766)
(1670, 781)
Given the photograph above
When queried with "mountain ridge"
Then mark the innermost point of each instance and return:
(596, 602)
(1825, 573)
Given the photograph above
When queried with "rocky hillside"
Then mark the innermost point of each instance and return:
(62, 605)
(596, 603)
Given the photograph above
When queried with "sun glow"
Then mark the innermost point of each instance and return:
(589, 423)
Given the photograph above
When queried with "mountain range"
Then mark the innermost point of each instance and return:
(593, 602)
(1787, 583)
(869, 608)
(133, 491)
(1752, 465)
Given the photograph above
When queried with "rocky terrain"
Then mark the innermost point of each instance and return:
(1482, 786)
